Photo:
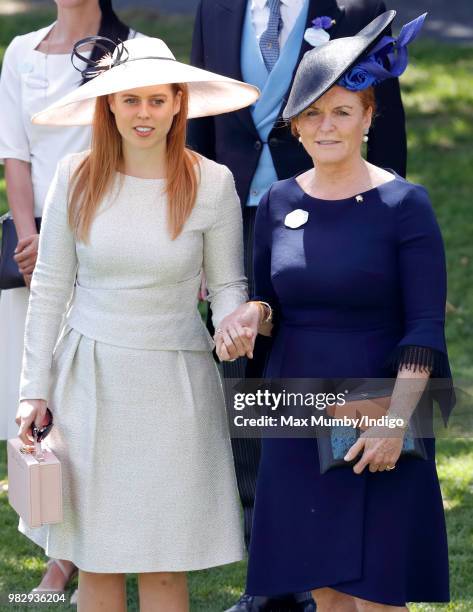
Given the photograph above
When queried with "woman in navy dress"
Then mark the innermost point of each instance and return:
(357, 286)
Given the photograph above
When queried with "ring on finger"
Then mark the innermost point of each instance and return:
(219, 331)
(390, 467)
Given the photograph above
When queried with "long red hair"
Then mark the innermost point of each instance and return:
(94, 176)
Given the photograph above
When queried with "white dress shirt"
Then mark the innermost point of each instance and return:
(290, 10)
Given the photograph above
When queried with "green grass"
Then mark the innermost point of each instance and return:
(438, 96)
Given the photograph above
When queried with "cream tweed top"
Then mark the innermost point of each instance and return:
(130, 285)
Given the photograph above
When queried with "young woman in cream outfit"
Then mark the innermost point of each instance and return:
(140, 425)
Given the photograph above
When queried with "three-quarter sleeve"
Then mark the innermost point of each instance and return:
(51, 288)
(13, 137)
(223, 253)
(423, 281)
(264, 289)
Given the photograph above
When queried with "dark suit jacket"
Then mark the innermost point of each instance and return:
(232, 139)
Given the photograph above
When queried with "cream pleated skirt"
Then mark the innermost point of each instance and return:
(148, 476)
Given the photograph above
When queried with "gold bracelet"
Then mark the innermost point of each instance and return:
(265, 310)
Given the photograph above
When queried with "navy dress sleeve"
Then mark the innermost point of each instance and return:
(423, 281)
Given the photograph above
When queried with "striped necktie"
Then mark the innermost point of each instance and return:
(269, 41)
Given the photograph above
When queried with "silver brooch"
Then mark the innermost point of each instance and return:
(296, 218)
(359, 199)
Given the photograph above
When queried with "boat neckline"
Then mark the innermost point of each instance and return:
(395, 178)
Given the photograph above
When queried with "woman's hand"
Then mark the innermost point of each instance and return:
(235, 337)
(29, 412)
(379, 453)
(26, 253)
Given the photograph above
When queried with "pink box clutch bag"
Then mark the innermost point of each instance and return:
(34, 484)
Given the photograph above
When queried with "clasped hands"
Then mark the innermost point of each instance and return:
(235, 336)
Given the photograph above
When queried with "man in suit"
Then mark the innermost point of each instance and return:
(262, 42)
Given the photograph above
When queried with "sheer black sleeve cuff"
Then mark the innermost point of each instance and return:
(426, 359)
(420, 359)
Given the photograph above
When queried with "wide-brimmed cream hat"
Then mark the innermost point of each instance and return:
(140, 62)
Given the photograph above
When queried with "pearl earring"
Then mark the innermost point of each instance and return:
(300, 139)
(365, 137)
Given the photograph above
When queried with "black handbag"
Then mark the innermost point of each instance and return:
(10, 276)
(334, 442)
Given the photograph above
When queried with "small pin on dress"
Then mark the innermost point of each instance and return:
(359, 199)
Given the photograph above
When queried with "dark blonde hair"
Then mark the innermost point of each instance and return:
(94, 176)
(367, 98)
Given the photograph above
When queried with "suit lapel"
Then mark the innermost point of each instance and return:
(231, 21)
(319, 8)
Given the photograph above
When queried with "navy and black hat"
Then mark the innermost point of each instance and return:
(354, 62)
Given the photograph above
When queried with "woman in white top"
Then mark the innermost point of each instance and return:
(36, 72)
(140, 426)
